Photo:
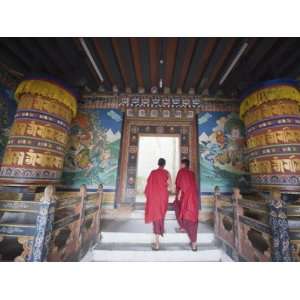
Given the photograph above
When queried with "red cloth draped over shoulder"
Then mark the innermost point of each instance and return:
(188, 202)
(157, 195)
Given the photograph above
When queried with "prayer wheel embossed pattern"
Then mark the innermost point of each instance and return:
(272, 118)
(36, 147)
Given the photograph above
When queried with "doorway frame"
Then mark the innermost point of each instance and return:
(186, 129)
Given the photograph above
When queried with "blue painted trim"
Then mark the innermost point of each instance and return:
(264, 84)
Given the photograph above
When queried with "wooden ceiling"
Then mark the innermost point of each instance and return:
(154, 65)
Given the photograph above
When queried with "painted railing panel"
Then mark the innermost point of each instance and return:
(258, 228)
(55, 227)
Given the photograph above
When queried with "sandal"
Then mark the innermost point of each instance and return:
(154, 248)
(194, 249)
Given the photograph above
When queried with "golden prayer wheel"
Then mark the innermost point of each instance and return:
(271, 114)
(36, 147)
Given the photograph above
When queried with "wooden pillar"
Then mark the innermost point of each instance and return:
(281, 246)
(44, 225)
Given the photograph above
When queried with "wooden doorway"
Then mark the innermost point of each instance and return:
(186, 131)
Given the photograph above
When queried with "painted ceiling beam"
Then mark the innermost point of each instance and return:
(216, 61)
(83, 74)
(187, 57)
(203, 51)
(169, 58)
(259, 53)
(221, 61)
(51, 53)
(39, 60)
(154, 51)
(145, 61)
(11, 61)
(229, 65)
(238, 75)
(136, 57)
(14, 46)
(122, 50)
(95, 82)
(104, 49)
(104, 60)
(184, 54)
(269, 66)
(290, 61)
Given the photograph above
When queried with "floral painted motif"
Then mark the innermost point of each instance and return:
(282, 249)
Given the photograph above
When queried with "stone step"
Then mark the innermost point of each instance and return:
(133, 226)
(147, 246)
(117, 252)
(141, 237)
(140, 215)
(129, 213)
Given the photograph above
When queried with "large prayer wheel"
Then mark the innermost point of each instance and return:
(36, 147)
(272, 118)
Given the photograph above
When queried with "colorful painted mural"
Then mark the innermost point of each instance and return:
(93, 150)
(8, 108)
(221, 147)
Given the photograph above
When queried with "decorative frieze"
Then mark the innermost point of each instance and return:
(160, 102)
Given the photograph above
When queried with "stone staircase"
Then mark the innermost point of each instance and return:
(130, 240)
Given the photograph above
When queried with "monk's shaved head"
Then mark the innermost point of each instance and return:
(161, 162)
(185, 162)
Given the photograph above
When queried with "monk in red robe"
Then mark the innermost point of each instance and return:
(186, 203)
(157, 200)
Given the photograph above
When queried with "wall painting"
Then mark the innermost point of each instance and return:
(221, 152)
(94, 148)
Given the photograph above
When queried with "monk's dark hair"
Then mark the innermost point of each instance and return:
(186, 162)
(161, 162)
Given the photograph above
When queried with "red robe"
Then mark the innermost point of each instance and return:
(188, 205)
(157, 195)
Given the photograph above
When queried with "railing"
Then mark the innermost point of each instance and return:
(54, 228)
(293, 213)
(257, 227)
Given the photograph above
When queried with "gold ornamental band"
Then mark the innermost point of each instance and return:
(265, 95)
(47, 89)
(285, 135)
(272, 109)
(35, 129)
(43, 104)
(32, 159)
(275, 165)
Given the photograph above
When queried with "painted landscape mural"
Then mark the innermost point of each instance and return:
(93, 149)
(221, 147)
(8, 108)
